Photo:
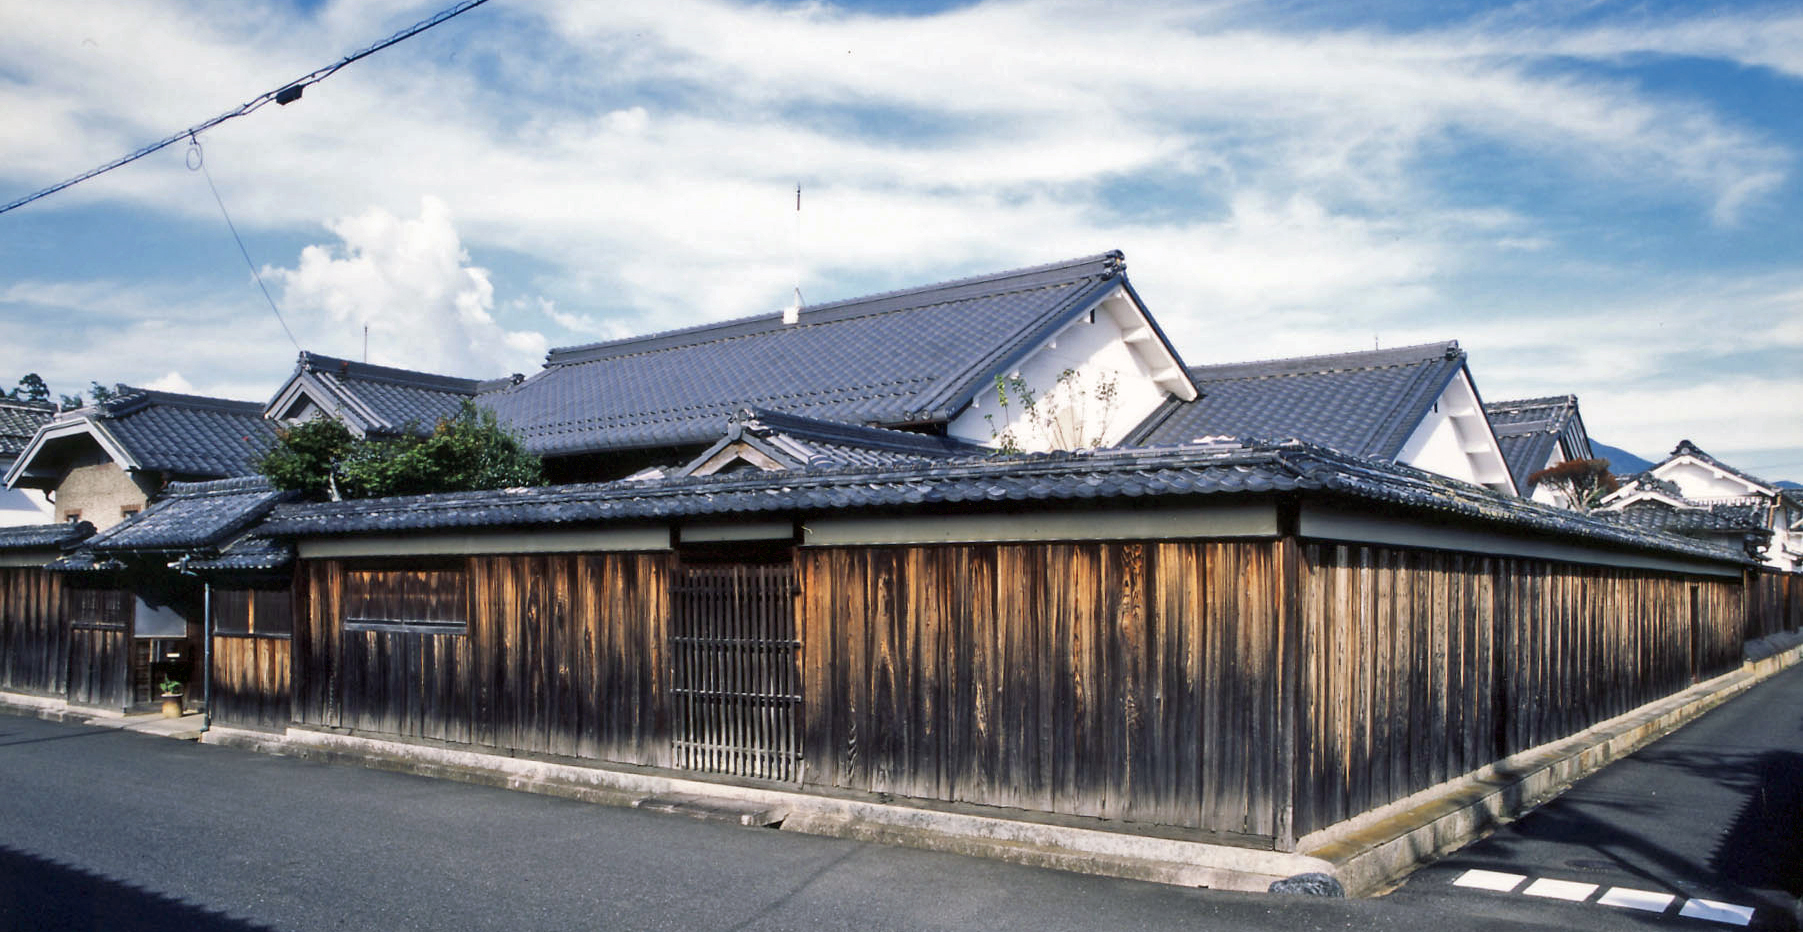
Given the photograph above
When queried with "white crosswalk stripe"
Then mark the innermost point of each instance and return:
(1622, 897)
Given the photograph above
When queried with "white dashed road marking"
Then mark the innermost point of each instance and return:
(1560, 889)
(1625, 897)
(1718, 912)
(1489, 880)
(1637, 899)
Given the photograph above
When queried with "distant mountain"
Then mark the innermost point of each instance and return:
(1787, 484)
(1621, 462)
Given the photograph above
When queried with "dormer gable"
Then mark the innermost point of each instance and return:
(1088, 384)
(370, 399)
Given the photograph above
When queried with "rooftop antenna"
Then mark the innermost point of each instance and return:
(366, 343)
(792, 313)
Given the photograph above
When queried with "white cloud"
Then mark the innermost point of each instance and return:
(1278, 189)
(409, 282)
(170, 381)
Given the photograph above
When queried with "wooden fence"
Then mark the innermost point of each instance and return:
(560, 654)
(1255, 690)
(34, 632)
(1774, 603)
(1418, 666)
(1129, 681)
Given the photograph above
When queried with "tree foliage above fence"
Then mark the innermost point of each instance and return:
(464, 453)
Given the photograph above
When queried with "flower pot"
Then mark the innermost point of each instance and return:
(172, 706)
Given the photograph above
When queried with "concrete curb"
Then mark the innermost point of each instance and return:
(186, 728)
(1375, 850)
(1092, 851)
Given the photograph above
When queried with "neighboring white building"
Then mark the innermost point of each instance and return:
(1689, 483)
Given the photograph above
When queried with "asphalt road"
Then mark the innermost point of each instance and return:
(1713, 812)
(101, 829)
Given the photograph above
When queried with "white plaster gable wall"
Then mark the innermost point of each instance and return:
(1455, 440)
(1544, 493)
(1700, 481)
(1113, 341)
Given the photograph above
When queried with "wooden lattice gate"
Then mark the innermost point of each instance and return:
(735, 685)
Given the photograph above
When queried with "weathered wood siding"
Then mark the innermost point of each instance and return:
(562, 655)
(1774, 603)
(100, 631)
(251, 681)
(1130, 681)
(1254, 689)
(1418, 666)
(34, 632)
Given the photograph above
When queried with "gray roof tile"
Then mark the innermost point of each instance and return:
(183, 435)
(810, 443)
(1529, 429)
(894, 359)
(394, 397)
(193, 515)
(18, 421)
(1366, 403)
(44, 536)
(1208, 469)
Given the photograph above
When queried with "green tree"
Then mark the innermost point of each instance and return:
(464, 453)
(32, 388)
(310, 457)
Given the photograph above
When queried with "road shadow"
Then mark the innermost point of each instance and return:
(1755, 858)
(45, 896)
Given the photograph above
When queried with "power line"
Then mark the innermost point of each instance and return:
(197, 161)
(286, 94)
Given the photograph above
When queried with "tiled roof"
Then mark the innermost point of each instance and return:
(894, 359)
(180, 435)
(248, 554)
(44, 536)
(18, 421)
(190, 435)
(1528, 430)
(193, 515)
(810, 443)
(1163, 473)
(1366, 403)
(387, 399)
(1660, 516)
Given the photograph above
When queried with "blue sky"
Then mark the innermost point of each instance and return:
(1592, 198)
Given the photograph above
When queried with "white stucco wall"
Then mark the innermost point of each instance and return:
(1699, 482)
(1112, 344)
(24, 506)
(1544, 494)
(1455, 441)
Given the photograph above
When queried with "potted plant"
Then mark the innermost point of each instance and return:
(172, 697)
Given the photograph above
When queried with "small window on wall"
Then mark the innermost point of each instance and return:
(72, 515)
(252, 613)
(126, 511)
(108, 609)
(422, 599)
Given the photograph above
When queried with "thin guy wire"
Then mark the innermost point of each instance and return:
(252, 105)
(201, 164)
